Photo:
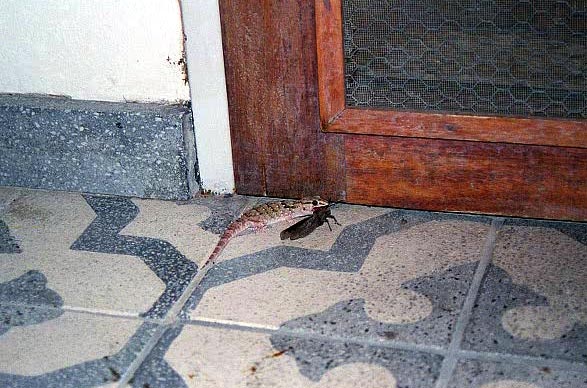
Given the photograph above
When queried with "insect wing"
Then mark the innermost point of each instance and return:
(301, 229)
(306, 226)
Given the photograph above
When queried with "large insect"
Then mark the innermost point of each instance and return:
(306, 226)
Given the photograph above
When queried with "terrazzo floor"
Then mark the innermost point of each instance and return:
(99, 291)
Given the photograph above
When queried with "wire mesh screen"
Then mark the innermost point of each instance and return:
(498, 57)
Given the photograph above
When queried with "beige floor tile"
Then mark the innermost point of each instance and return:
(61, 342)
(212, 357)
(177, 224)
(271, 298)
(551, 264)
(7, 196)
(45, 224)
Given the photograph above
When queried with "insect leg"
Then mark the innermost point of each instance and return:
(335, 220)
(328, 223)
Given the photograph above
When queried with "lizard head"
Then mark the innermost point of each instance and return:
(311, 203)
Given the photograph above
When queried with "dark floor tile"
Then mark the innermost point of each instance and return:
(8, 243)
(478, 374)
(532, 301)
(102, 235)
(44, 347)
(397, 276)
(200, 356)
(73, 246)
(30, 289)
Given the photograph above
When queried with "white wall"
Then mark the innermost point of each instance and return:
(124, 50)
(112, 50)
(201, 20)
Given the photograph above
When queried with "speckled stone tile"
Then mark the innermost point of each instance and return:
(8, 243)
(177, 224)
(99, 147)
(104, 254)
(223, 209)
(533, 298)
(7, 196)
(480, 374)
(384, 275)
(85, 279)
(199, 356)
(45, 225)
(44, 347)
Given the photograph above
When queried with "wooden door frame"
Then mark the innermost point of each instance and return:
(280, 149)
(335, 116)
(271, 75)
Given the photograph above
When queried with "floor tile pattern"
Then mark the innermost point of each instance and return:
(90, 286)
(483, 374)
(162, 258)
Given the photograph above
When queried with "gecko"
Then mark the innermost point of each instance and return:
(266, 214)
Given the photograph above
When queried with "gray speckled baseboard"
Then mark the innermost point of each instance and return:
(129, 149)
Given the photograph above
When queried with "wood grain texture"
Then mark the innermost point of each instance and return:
(556, 132)
(280, 150)
(278, 146)
(242, 30)
(507, 179)
(330, 60)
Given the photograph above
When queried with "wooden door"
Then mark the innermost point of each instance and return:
(293, 134)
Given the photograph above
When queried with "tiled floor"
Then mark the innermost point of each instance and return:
(103, 291)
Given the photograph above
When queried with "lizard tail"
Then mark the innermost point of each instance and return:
(230, 232)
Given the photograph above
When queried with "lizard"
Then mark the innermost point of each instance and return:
(266, 214)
